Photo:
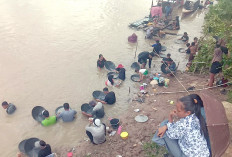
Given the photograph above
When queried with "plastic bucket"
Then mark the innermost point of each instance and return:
(114, 123)
(124, 135)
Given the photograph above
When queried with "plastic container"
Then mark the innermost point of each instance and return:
(114, 123)
(124, 135)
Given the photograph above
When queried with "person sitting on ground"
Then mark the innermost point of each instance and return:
(142, 73)
(168, 10)
(188, 48)
(122, 73)
(68, 115)
(109, 98)
(98, 109)
(10, 108)
(185, 37)
(101, 62)
(110, 81)
(200, 102)
(170, 65)
(96, 131)
(45, 149)
(143, 57)
(48, 120)
(216, 66)
(187, 136)
(157, 47)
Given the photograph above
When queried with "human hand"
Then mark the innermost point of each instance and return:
(171, 115)
(162, 130)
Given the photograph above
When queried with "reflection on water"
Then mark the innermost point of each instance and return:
(48, 56)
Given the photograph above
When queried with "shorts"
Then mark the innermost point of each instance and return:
(216, 67)
(145, 73)
(191, 57)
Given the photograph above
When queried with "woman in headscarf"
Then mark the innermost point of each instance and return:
(96, 131)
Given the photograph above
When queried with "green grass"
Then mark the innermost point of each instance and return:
(153, 150)
(229, 99)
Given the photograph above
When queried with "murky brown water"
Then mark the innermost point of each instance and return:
(48, 54)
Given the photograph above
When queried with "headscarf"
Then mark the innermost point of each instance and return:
(97, 122)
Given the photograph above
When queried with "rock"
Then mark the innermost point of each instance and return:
(155, 109)
(134, 145)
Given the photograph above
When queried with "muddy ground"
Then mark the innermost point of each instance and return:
(156, 107)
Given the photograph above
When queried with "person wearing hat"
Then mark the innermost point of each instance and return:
(109, 98)
(96, 131)
(48, 120)
(10, 108)
(142, 73)
(185, 37)
(122, 73)
(101, 62)
(143, 57)
(45, 149)
(68, 115)
(157, 47)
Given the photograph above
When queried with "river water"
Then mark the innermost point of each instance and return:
(48, 54)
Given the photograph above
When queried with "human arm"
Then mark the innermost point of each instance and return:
(162, 130)
(171, 115)
(176, 130)
(98, 100)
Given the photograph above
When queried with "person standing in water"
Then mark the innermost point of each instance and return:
(68, 115)
(121, 73)
(101, 62)
(10, 108)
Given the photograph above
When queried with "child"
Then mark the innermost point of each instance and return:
(101, 62)
(187, 136)
(142, 73)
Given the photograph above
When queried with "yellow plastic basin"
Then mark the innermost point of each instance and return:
(124, 135)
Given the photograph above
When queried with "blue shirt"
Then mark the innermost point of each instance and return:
(191, 141)
(157, 48)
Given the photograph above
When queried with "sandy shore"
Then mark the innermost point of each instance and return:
(156, 107)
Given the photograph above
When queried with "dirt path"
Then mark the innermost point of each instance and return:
(156, 107)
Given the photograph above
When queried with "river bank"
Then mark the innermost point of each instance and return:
(156, 107)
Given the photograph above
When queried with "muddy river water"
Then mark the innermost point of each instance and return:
(48, 54)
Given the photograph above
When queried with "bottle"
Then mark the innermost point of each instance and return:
(119, 130)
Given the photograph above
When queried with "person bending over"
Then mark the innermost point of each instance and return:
(109, 98)
(121, 73)
(96, 131)
(68, 115)
(98, 109)
(187, 136)
(142, 73)
(45, 149)
(157, 47)
(48, 120)
(143, 57)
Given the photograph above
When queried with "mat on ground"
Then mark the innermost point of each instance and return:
(37, 113)
(110, 65)
(99, 95)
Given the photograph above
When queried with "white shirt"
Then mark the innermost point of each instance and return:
(142, 70)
